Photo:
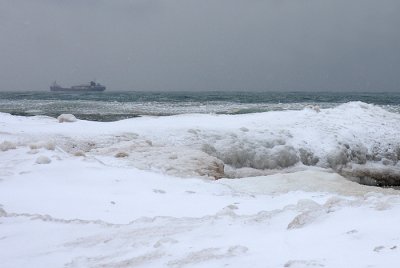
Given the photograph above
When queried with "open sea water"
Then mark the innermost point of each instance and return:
(112, 106)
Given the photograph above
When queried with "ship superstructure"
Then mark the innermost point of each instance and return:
(91, 86)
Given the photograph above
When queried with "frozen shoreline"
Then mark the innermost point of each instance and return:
(355, 139)
(158, 205)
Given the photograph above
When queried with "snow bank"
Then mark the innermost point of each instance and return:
(137, 210)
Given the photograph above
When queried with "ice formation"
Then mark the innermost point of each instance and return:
(356, 140)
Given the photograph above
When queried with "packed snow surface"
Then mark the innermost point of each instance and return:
(143, 192)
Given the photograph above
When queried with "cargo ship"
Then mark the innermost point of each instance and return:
(91, 86)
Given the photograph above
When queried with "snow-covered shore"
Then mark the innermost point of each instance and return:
(142, 192)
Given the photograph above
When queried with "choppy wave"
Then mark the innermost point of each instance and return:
(113, 111)
(112, 106)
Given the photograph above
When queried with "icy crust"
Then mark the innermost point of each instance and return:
(306, 234)
(358, 140)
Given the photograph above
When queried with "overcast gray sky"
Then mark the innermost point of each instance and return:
(201, 44)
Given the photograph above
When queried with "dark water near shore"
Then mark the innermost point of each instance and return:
(110, 106)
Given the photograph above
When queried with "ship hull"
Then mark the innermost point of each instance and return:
(68, 89)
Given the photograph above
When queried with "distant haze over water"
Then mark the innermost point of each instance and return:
(318, 45)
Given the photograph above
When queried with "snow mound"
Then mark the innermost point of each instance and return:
(7, 145)
(49, 145)
(43, 160)
(66, 118)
